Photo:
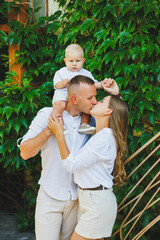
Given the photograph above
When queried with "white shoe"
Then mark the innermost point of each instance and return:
(66, 132)
(86, 129)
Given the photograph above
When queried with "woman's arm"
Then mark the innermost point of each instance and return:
(56, 126)
(109, 85)
(98, 85)
(72, 163)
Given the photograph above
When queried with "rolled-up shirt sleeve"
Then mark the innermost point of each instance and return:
(38, 124)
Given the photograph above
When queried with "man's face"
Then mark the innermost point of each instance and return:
(86, 97)
(74, 61)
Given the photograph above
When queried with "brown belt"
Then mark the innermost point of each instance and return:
(94, 189)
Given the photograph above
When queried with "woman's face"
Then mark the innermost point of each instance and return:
(101, 107)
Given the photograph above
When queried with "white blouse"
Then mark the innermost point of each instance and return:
(93, 164)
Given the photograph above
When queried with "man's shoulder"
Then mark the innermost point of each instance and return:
(41, 119)
(45, 111)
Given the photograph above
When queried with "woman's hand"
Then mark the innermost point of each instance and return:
(110, 86)
(55, 125)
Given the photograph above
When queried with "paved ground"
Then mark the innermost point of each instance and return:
(8, 229)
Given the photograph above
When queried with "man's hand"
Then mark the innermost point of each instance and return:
(110, 86)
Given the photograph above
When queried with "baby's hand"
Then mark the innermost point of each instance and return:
(67, 80)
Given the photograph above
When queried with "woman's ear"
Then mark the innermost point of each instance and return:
(74, 99)
(84, 60)
(64, 60)
(108, 112)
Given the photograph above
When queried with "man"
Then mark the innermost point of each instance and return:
(56, 207)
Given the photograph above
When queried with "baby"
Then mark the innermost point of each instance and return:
(74, 60)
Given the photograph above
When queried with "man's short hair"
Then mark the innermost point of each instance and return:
(77, 80)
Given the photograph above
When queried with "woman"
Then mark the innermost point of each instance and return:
(93, 166)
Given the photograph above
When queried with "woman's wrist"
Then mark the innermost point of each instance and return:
(59, 135)
(119, 95)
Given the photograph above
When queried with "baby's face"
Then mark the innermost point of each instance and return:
(74, 61)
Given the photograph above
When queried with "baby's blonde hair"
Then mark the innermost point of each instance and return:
(75, 47)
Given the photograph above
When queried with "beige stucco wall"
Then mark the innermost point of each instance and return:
(52, 7)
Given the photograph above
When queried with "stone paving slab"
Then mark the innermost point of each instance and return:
(8, 229)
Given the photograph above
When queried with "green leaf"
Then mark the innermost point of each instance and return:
(113, 11)
(53, 26)
(88, 24)
(133, 68)
(146, 86)
(122, 53)
(107, 8)
(125, 67)
(106, 44)
(151, 118)
(1, 132)
(7, 162)
(100, 35)
(4, 37)
(141, 106)
(24, 122)
(145, 137)
(110, 56)
(148, 106)
(117, 69)
(126, 7)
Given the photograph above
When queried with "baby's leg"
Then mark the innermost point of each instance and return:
(58, 108)
(85, 124)
(85, 118)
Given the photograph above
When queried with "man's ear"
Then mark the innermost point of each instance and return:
(108, 112)
(84, 60)
(74, 99)
(64, 60)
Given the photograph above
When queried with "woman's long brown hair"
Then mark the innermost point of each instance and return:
(119, 125)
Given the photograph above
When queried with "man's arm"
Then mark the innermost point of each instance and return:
(31, 147)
